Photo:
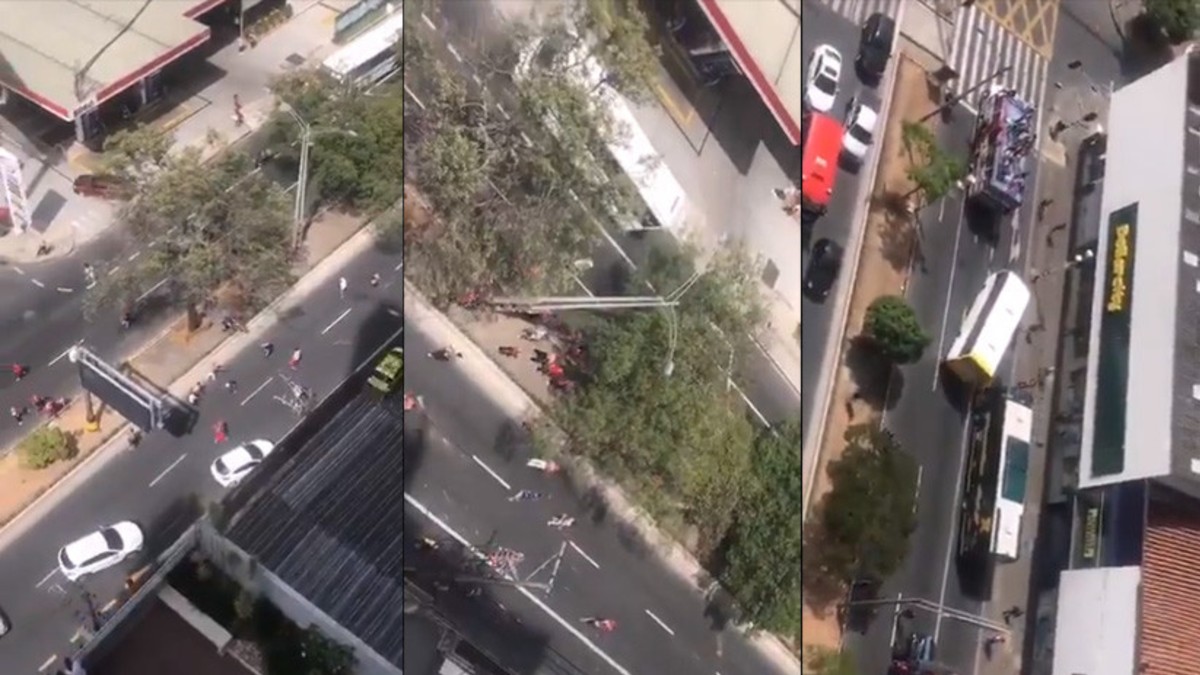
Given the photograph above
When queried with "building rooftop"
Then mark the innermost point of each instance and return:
(63, 53)
(160, 641)
(329, 523)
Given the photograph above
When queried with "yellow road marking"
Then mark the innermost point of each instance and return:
(672, 107)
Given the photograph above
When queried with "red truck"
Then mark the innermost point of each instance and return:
(821, 146)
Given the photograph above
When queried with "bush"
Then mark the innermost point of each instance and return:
(892, 326)
(45, 446)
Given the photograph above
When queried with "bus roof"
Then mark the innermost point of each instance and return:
(382, 36)
(822, 147)
(1013, 479)
(992, 322)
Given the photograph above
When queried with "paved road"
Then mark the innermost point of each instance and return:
(617, 579)
(161, 483)
(844, 212)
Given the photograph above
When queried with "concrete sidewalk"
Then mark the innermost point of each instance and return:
(177, 360)
(516, 387)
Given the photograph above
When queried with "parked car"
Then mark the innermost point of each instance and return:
(875, 47)
(823, 269)
(102, 186)
(824, 73)
(860, 130)
(232, 467)
(100, 550)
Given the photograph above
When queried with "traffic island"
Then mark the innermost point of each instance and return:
(860, 389)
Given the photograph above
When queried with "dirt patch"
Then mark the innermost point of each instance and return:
(888, 249)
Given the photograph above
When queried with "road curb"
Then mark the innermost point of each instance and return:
(519, 404)
(837, 336)
(266, 318)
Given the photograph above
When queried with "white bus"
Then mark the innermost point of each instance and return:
(632, 150)
(988, 329)
(371, 57)
(997, 474)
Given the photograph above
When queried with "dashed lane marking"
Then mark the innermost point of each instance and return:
(167, 470)
(48, 577)
(337, 320)
(49, 662)
(662, 624)
(64, 289)
(490, 472)
(37, 283)
(19, 271)
(584, 555)
(428, 22)
(260, 388)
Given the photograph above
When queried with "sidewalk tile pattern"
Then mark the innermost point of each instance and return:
(980, 46)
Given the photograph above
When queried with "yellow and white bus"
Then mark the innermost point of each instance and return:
(988, 329)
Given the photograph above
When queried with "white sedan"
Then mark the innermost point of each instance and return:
(100, 550)
(860, 130)
(230, 468)
(824, 72)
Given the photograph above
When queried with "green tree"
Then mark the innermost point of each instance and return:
(1179, 19)
(220, 234)
(870, 511)
(136, 154)
(933, 171)
(827, 661)
(893, 328)
(323, 656)
(45, 446)
(765, 551)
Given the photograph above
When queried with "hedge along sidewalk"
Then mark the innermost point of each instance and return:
(174, 356)
(518, 403)
(883, 269)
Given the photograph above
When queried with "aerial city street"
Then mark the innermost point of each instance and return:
(972, 335)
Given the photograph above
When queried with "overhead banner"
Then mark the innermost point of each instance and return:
(13, 182)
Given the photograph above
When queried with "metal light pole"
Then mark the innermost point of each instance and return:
(307, 133)
(953, 99)
(1078, 259)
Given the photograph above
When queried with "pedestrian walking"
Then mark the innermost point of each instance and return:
(220, 432)
(1013, 612)
(606, 625)
(268, 349)
(135, 437)
(342, 284)
(18, 414)
(294, 361)
(375, 279)
(19, 371)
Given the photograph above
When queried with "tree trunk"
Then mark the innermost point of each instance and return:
(194, 317)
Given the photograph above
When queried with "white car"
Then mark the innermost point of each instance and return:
(230, 468)
(100, 550)
(824, 72)
(860, 130)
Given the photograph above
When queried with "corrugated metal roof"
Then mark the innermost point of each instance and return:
(330, 523)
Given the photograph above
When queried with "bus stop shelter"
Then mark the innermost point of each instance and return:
(70, 56)
(764, 38)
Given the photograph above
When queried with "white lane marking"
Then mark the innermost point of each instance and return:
(260, 388)
(491, 473)
(454, 52)
(64, 289)
(153, 288)
(337, 320)
(115, 270)
(49, 662)
(134, 256)
(394, 312)
(503, 112)
(478, 80)
(428, 21)
(46, 578)
(479, 555)
(167, 470)
(38, 283)
(955, 507)
(19, 271)
(60, 357)
(585, 556)
(937, 369)
(397, 267)
(659, 622)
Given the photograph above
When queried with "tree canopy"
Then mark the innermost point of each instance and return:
(934, 171)
(870, 511)
(1179, 19)
(217, 233)
(357, 155)
(893, 328)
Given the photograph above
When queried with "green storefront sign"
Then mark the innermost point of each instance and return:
(1112, 373)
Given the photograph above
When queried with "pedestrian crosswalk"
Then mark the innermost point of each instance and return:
(981, 47)
(857, 11)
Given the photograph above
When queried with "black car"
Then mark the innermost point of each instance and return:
(875, 47)
(823, 269)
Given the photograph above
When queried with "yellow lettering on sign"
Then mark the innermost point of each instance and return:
(1119, 269)
(1091, 533)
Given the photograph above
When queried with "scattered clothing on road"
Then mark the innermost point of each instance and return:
(19, 371)
(268, 349)
(231, 386)
(294, 361)
(606, 625)
(342, 284)
(375, 279)
(220, 432)
(18, 414)
(510, 352)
